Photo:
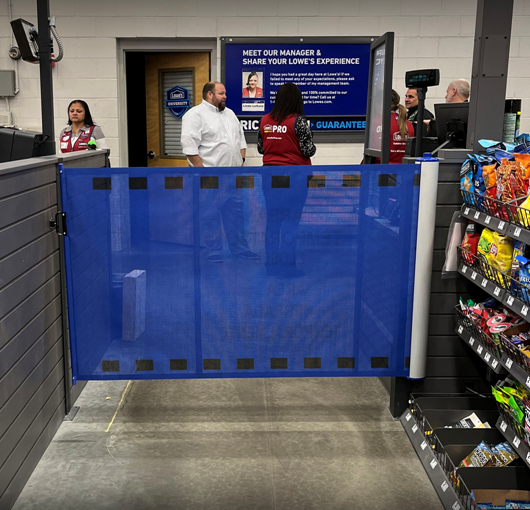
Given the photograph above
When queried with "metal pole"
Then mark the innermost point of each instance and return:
(423, 269)
(46, 81)
(419, 121)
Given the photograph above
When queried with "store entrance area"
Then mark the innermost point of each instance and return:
(310, 444)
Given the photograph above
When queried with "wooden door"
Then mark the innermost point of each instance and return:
(162, 72)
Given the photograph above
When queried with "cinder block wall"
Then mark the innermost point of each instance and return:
(429, 33)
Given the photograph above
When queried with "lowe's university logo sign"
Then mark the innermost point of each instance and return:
(177, 101)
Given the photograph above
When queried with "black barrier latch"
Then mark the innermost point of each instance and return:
(59, 223)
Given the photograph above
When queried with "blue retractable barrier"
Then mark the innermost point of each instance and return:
(240, 272)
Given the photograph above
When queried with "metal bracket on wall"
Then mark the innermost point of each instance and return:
(59, 223)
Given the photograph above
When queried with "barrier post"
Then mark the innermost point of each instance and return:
(423, 268)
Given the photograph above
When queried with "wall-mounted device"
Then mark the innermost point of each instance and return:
(422, 78)
(26, 36)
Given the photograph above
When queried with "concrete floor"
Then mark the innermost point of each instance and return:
(266, 444)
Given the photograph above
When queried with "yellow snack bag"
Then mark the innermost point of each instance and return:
(524, 216)
(497, 251)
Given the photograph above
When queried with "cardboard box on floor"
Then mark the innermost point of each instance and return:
(498, 497)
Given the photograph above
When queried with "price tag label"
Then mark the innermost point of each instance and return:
(484, 282)
(501, 225)
(414, 429)
(456, 506)
(497, 291)
(444, 486)
(494, 364)
(474, 275)
(466, 211)
(528, 458)
(487, 220)
(460, 329)
(510, 300)
(480, 349)
(408, 417)
(464, 269)
(477, 215)
(423, 445)
(471, 341)
(524, 310)
(528, 382)
(504, 426)
(509, 363)
(434, 463)
(517, 232)
(516, 442)
(487, 357)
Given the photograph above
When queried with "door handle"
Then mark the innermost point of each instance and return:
(151, 155)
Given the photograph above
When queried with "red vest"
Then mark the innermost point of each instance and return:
(397, 145)
(80, 144)
(280, 143)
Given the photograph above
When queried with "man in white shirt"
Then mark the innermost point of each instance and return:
(212, 137)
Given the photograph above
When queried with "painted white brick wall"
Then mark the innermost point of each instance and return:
(429, 33)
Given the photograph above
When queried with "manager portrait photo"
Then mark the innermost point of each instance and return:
(252, 90)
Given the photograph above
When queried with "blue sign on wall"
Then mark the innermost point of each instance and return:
(332, 76)
(177, 101)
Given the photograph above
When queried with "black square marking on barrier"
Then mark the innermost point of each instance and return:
(110, 366)
(312, 362)
(387, 180)
(279, 363)
(345, 362)
(174, 182)
(178, 364)
(245, 363)
(144, 365)
(244, 181)
(101, 183)
(211, 364)
(280, 181)
(209, 182)
(316, 181)
(137, 182)
(407, 362)
(380, 362)
(351, 181)
(417, 179)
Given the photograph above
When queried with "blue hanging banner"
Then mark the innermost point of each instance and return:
(240, 272)
(177, 101)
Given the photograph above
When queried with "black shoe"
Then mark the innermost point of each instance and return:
(248, 255)
(215, 258)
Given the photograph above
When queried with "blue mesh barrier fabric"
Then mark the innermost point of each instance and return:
(240, 272)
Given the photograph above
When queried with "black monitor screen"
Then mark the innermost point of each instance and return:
(452, 118)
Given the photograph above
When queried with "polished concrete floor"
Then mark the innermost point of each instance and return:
(271, 444)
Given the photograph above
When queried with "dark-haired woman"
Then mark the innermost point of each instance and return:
(285, 139)
(81, 129)
(400, 130)
(252, 90)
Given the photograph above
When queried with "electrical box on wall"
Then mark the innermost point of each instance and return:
(7, 83)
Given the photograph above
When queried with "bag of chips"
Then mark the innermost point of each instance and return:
(470, 243)
(467, 175)
(497, 251)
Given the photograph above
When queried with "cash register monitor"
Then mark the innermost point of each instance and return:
(451, 124)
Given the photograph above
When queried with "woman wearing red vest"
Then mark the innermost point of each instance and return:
(81, 130)
(285, 139)
(400, 130)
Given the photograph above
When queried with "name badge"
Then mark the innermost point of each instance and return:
(64, 145)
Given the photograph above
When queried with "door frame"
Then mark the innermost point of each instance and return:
(173, 45)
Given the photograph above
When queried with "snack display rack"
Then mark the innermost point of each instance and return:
(441, 449)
